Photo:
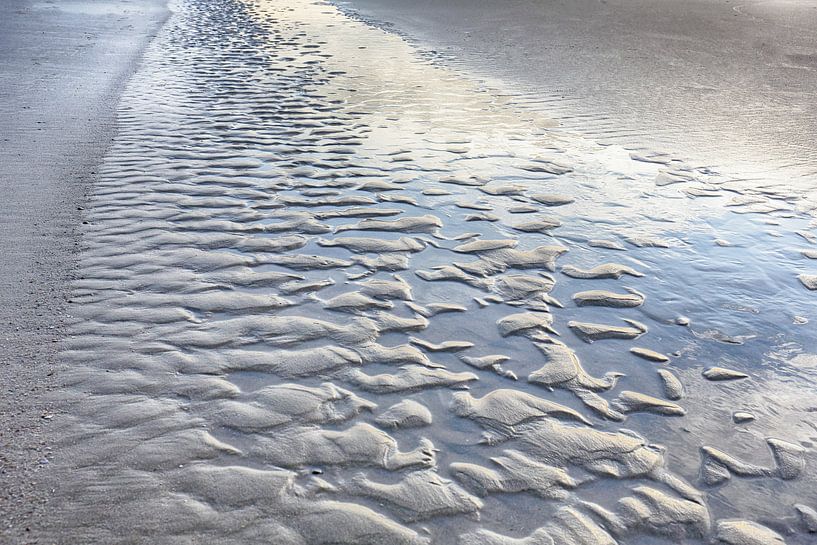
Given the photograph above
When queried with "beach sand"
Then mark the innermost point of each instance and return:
(63, 67)
(727, 85)
(335, 289)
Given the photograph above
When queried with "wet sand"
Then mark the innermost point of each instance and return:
(723, 84)
(332, 290)
(63, 67)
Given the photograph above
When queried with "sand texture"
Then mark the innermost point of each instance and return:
(722, 84)
(332, 291)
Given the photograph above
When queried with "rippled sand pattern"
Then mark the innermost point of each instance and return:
(332, 293)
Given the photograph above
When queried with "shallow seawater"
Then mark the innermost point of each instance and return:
(723, 85)
(334, 292)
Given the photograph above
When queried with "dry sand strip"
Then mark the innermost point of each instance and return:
(63, 68)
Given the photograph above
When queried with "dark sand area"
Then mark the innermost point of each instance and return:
(727, 84)
(62, 67)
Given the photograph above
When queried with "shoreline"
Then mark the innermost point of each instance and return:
(59, 120)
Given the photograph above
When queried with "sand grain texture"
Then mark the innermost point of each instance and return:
(63, 69)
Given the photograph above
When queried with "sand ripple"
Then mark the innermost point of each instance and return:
(292, 326)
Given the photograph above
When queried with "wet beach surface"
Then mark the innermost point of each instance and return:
(726, 85)
(333, 291)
